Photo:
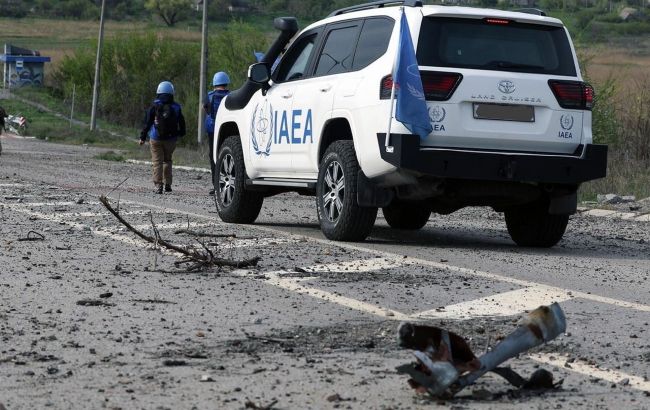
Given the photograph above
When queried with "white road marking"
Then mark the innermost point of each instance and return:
(643, 218)
(171, 225)
(12, 185)
(181, 167)
(130, 240)
(635, 382)
(45, 204)
(424, 262)
(256, 242)
(358, 266)
(600, 212)
(502, 304)
(296, 285)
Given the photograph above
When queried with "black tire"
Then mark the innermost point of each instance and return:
(346, 221)
(407, 214)
(234, 203)
(532, 226)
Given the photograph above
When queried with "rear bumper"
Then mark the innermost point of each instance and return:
(491, 166)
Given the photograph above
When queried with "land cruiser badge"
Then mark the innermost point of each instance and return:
(262, 128)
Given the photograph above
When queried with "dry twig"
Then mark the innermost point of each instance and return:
(196, 259)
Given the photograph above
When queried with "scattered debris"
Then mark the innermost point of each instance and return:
(174, 362)
(446, 364)
(613, 199)
(32, 236)
(106, 295)
(196, 259)
(207, 378)
(93, 302)
(251, 405)
(205, 234)
(159, 301)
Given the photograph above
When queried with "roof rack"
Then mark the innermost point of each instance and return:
(536, 12)
(376, 5)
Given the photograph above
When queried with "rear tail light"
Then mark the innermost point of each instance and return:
(575, 95)
(438, 86)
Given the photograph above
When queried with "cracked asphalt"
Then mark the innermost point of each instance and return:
(313, 325)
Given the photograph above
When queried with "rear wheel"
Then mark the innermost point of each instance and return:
(340, 216)
(531, 225)
(407, 214)
(234, 203)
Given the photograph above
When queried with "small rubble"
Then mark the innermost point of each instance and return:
(614, 199)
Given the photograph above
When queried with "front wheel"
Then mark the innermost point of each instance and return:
(531, 225)
(234, 203)
(340, 216)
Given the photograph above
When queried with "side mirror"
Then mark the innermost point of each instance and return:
(259, 73)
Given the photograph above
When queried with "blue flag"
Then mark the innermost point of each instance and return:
(411, 106)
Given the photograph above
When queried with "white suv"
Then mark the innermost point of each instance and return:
(511, 120)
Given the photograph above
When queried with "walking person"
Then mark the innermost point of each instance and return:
(163, 124)
(220, 83)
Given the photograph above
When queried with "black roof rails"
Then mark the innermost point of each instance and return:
(536, 12)
(376, 5)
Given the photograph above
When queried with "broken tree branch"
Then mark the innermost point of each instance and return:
(199, 260)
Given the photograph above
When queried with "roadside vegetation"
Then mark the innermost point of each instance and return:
(143, 47)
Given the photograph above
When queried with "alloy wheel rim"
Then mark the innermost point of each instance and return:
(334, 192)
(227, 179)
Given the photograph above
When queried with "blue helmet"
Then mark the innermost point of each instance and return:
(220, 78)
(165, 88)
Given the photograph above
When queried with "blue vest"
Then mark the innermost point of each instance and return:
(213, 100)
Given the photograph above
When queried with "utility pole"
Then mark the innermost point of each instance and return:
(204, 69)
(98, 63)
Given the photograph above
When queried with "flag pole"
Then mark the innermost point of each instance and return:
(390, 148)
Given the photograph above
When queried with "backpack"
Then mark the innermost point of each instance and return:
(166, 121)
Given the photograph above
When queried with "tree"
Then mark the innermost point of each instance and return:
(171, 11)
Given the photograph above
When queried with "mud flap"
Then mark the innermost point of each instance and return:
(370, 195)
(564, 205)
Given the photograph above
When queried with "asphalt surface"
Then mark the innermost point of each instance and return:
(313, 325)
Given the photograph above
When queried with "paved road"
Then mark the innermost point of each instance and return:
(313, 325)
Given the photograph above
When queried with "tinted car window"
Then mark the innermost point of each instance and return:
(294, 63)
(338, 51)
(373, 41)
(472, 43)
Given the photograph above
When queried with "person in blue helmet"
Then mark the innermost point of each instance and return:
(220, 83)
(163, 124)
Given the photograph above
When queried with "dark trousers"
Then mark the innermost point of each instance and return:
(210, 152)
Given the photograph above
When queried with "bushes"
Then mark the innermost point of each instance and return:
(132, 67)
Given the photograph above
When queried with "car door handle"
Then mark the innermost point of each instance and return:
(287, 95)
(325, 88)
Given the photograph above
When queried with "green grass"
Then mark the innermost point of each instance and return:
(48, 127)
(624, 177)
(45, 97)
(110, 156)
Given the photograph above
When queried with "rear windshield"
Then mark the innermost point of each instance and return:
(477, 44)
